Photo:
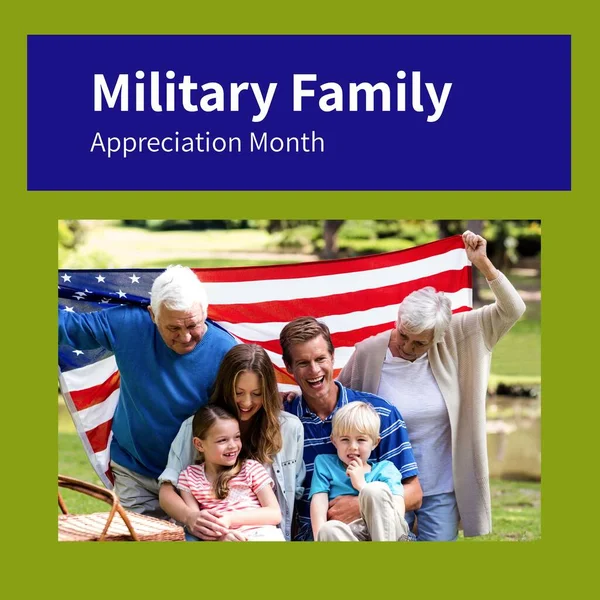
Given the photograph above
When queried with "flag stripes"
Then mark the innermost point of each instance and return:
(356, 298)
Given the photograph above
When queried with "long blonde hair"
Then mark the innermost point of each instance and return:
(264, 438)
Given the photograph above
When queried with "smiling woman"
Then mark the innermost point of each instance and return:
(246, 388)
(248, 395)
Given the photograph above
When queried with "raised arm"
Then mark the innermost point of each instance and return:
(494, 319)
(476, 249)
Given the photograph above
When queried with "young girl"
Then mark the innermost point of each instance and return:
(245, 386)
(237, 491)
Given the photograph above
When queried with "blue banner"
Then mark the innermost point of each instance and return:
(339, 112)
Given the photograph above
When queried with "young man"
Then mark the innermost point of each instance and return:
(308, 355)
(378, 485)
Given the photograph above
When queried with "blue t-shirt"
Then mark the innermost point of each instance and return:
(329, 476)
(159, 388)
(394, 445)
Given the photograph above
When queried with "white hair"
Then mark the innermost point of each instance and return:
(425, 310)
(178, 288)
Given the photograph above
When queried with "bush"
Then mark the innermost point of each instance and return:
(168, 224)
(529, 240)
(71, 233)
(522, 238)
(301, 239)
(387, 229)
(349, 248)
(420, 232)
(186, 224)
(357, 230)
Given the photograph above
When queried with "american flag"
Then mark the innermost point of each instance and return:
(356, 297)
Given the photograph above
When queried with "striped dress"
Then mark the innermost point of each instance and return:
(243, 489)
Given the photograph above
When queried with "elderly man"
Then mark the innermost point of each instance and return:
(168, 357)
(308, 355)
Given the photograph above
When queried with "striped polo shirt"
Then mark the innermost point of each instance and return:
(394, 446)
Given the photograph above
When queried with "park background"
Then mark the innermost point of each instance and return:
(514, 398)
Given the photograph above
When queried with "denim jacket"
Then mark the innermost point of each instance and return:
(288, 464)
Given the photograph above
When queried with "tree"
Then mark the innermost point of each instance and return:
(476, 226)
(70, 234)
(330, 231)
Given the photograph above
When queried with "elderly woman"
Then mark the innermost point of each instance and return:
(434, 366)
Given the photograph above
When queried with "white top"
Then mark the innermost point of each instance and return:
(412, 389)
(460, 363)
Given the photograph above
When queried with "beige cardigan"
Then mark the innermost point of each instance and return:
(460, 363)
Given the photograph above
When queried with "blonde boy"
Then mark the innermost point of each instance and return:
(378, 485)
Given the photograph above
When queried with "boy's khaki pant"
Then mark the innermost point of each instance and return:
(381, 520)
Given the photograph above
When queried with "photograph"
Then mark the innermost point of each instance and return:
(300, 380)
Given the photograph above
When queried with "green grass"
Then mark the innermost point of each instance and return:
(73, 462)
(517, 357)
(516, 512)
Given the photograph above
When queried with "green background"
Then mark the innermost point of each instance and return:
(40, 565)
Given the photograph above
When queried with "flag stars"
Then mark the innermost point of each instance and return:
(77, 352)
(134, 278)
(100, 279)
(122, 294)
(105, 301)
(66, 278)
(69, 309)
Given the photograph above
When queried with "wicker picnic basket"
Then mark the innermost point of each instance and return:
(117, 525)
